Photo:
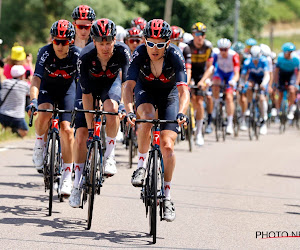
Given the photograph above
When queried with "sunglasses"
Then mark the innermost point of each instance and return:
(62, 42)
(158, 45)
(199, 34)
(223, 49)
(134, 40)
(83, 26)
(104, 38)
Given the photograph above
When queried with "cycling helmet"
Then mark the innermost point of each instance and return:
(224, 43)
(62, 29)
(255, 51)
(121, 33)
(134, 32)
(103, 27)
(157, 28)
(288, 47)
(238, 47)
(265, 50)
(139, 22)
(187, 37)
(273, 55)
(199, 27)
(251, 42)
(83, 12)
(177, 33)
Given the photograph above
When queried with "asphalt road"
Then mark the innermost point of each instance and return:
(226, 195)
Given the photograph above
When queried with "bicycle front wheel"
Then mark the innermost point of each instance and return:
(153, 200)
(92, 183)
(51, 171)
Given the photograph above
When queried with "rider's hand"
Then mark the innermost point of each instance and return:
(201, 84)
(90, 138)
(131, 117)
(121, 111)
(34, 104)
(232, 83)
(182, 119)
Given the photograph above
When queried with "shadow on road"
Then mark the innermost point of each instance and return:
(14, 148)
(285, 176)
(41, 198)
(20, 166)
(28, 185)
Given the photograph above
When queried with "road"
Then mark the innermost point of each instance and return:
(225, 195)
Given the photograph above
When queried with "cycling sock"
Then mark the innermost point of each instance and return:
(142, 160)
(167, 190)
(208, 119)
(110, 146)
(67, 174)
(199, 124)
(78, 172)
(39, 141)
(229, 119)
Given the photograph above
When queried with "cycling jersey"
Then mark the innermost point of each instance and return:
(228, 64)
(160, 91)
(287, 65)
(186, 51)
(57, 78)
(199, 59)
(257, 70)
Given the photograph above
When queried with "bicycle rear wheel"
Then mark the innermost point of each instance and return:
(51, 171)
(218, 124)
(92, 183)
(153, 199)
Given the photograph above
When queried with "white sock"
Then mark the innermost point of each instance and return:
(78, 172)
(229, 119)
(110, 146)
(167, 190)
(67, 174)
(39, 141)
(142, 160)
(199, 124)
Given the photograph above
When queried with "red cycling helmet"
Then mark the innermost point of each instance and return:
(62, 29)
(177, 33)
(83, 12)
(134, 32)
(157, 28)
(103, 27)
(138, 22)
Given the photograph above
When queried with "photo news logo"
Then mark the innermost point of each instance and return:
(277, 234)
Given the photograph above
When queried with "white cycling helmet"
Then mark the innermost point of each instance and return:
(255, 52)
(121, 33)
(273, 55)
(187, 37)
(265, 50)
(224, 43)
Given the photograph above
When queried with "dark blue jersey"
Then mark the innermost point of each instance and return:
(173, 71)
(91, 75)
(56, 74)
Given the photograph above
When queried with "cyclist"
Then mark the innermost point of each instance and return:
(202, 59)
(249, 43)
(256, 70)
(227, 64)
(121, 33)
(139, 23)
(133, 38)
(54, 81)
(83, 16)
(99, 68)
(177, 39)
(287, 76)
(158, 77)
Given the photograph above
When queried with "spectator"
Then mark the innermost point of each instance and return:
(12, 104)
(17, 57)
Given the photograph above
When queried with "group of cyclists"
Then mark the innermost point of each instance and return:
(145, 71)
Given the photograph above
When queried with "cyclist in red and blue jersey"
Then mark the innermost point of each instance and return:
(99, 68)
(54, 81)
(287, 75)
(157, 75)
(83, 17)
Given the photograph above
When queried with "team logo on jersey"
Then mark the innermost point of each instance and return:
(43, 58)
(94, 63)
(62, 73)
(79, 62)
(135, 54)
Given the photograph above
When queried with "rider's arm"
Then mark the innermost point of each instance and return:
(208, 72)
(35, 87)
(266, 79)
(236, 67)
(184, 98)
(87, 101)
(188, 63)
(128, 95)
(276, 75)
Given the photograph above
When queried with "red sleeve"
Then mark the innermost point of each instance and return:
(236, 62)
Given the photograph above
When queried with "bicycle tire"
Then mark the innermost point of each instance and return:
(92, 184)
(131, 147)
(256, 121)
(217, 122)
(153, 203)
(51, 171)
(223, 128)
(189, 131)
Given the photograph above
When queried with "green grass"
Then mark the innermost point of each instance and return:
(6, 135)
(279, 41)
